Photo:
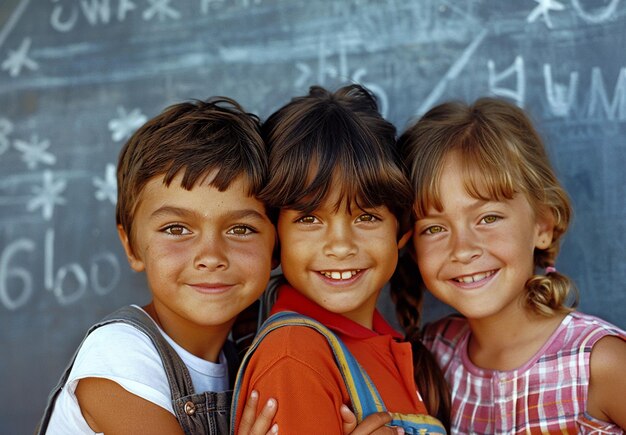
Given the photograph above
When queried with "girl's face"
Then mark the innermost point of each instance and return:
(340, 259)
(477, 255)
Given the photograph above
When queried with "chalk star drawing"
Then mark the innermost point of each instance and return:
(160, 8)
(47, 195)
(123, 126)
(34, 152)
(17, 59)
(106, 188)
(543, 8)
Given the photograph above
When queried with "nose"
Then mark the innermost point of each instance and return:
(211, 253)
(466, 246)
(339, 242)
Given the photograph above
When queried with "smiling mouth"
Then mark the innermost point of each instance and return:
(468, 279)
(338, 275)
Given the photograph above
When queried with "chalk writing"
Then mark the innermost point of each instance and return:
(599, 105)
(68, 283)
(560, 97)
(18, 59)
(542, 10)
(517, 70)
(604, 14)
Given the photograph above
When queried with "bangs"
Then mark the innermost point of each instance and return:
(490, 173)
(336, 153)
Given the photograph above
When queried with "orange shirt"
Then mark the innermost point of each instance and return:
(295, 365)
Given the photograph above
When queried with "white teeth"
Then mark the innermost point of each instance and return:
(337, 275)
(473, 278)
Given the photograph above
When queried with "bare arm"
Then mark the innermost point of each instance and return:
(607, 382)
(109, 408)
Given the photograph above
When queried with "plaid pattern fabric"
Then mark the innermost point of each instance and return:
(546, 395)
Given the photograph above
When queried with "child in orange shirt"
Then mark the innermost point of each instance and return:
(343, 213)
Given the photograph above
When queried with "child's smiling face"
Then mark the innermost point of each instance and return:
(207, 254)
(477, 255)
(340, 258)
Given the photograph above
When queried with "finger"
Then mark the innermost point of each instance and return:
(376, 424)
(249, 411)
(263, 423)
(349, 419)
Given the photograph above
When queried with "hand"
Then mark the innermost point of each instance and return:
(372, 424)
(259, 425)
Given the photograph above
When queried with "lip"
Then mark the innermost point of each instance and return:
(341, 282)
(490, 275)
(211, 288)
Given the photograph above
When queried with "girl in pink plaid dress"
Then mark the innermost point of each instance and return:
(489, 217)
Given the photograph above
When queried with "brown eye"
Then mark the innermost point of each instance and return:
(241, 230)
(307, 220)
(490, 219)
(435, 229)
(177, 230)
(367, 218)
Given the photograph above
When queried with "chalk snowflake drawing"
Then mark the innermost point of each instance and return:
(161, 9)
(543, 9)
(18, 59)
(47, 196)
(106, 188)
(126, 123)
(34, 152)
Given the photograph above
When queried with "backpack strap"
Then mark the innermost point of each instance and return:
(363, 394)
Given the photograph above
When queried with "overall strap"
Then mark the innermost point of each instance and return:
(363, 394)
(177, 374)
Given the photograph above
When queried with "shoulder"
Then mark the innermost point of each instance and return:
(123, 354)
(585, 330)
(606, 383)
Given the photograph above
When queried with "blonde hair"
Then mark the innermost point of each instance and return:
(502, 155)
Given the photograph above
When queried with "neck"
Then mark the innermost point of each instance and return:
(203, 341)
(508, 342)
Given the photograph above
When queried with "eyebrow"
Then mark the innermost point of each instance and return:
(474, 204)
(235, 214)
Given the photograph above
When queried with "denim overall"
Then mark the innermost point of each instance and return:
(363, 394)
(203, 413)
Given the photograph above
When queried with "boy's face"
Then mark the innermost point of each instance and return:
(340, 259)
(207, 254)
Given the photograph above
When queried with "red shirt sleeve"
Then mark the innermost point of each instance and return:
(296, 366)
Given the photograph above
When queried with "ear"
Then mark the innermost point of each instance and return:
(135, 262)
(404, 239)
(545, 229)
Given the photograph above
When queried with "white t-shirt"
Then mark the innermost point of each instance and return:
(124, 354)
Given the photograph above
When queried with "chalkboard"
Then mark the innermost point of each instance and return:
(77, 77)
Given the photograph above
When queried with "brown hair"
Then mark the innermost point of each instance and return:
(197, 138)
(502, 155)
(327, 139)
(340, 139)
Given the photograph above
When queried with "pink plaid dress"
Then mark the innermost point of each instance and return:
(548, 394)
